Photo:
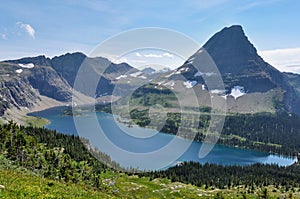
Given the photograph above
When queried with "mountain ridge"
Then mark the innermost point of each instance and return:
(234, 55)
(24, 82)
(241, 67)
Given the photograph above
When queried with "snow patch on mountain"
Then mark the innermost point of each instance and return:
(136, 74)
(142, 77)
(160, 83)
(190, 84)
(30, 65)
(237, 91)
(170, 83)
(224, 96)
(167, 76)
(198, 74)
(218, 91)
(199, 51)
(209, 74)
(121, 76)
(19, 71)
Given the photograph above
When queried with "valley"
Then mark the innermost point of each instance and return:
(256, 152)
(42, 163)
(153, 140)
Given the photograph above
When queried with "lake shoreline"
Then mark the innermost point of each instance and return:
(225, 147)
(22, 116)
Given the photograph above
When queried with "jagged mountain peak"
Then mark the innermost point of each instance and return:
(233, 38)
(236, 58)
(74, 54)
(40, 60)
(240, 66)
(231, 50)
(148, 70)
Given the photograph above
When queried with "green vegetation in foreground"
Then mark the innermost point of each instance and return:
(2, 121)
(40, 163)
(24, 184)
(35, 121)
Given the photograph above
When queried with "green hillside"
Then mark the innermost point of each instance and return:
(41, 163)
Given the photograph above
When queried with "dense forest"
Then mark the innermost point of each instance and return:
(221, 177)
(269, 132)
(51, 154)
(65, 158)
(274, 133)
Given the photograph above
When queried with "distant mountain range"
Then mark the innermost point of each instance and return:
(251, 84)
(24, 81)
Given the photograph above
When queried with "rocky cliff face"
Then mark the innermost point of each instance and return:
(67, 67)
(15, 89)
(251, 84)
(38, 61)
(294, 80)
(47, 81)
(239, 64)
(22, 81)
(40, 75)
(241, 67)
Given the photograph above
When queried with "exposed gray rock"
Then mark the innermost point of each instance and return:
(240, 65)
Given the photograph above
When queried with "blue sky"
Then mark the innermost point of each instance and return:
(29, 28)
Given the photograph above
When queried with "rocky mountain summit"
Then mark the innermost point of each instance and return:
(250, 83)
(24, 81)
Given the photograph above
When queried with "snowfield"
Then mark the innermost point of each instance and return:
(237, 91)
(190, 84)
(136, 74)
(121, 76)
(30, 65)
(19, 71)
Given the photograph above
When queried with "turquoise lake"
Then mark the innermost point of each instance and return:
(148, 151)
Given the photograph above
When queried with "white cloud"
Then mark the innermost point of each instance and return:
(152, 55)
(130, 61)
(3, 36)
(168, 55)
(287, 60)
(121, 60)
(138, 54)
(28, 28)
